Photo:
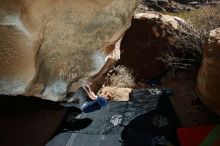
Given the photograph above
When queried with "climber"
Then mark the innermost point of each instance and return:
(97, 102)
(88, 103)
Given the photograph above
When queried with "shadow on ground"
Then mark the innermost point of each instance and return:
(153, 128)
(28, 121)
(71, 123)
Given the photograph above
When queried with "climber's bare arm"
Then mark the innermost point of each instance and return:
(88, 90)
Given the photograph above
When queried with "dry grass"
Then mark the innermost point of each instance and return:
(121, 77)
(176, 63)
(119, 84)
(204, 19)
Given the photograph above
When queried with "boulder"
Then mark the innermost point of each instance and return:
(46, 45)
(150, 36)
(208, 82)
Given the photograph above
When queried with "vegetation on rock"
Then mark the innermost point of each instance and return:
(121, 77)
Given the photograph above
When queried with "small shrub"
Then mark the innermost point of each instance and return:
(121, 77)
(175, 63)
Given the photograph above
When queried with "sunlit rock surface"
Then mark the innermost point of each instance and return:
(208, 84)
(48, 45)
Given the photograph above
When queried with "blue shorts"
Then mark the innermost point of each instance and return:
(94, 105)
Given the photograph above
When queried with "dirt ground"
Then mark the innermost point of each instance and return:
(189, 108)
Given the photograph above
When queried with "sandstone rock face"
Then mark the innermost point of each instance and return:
(208, 84)
(48, 45)
(150, 36)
